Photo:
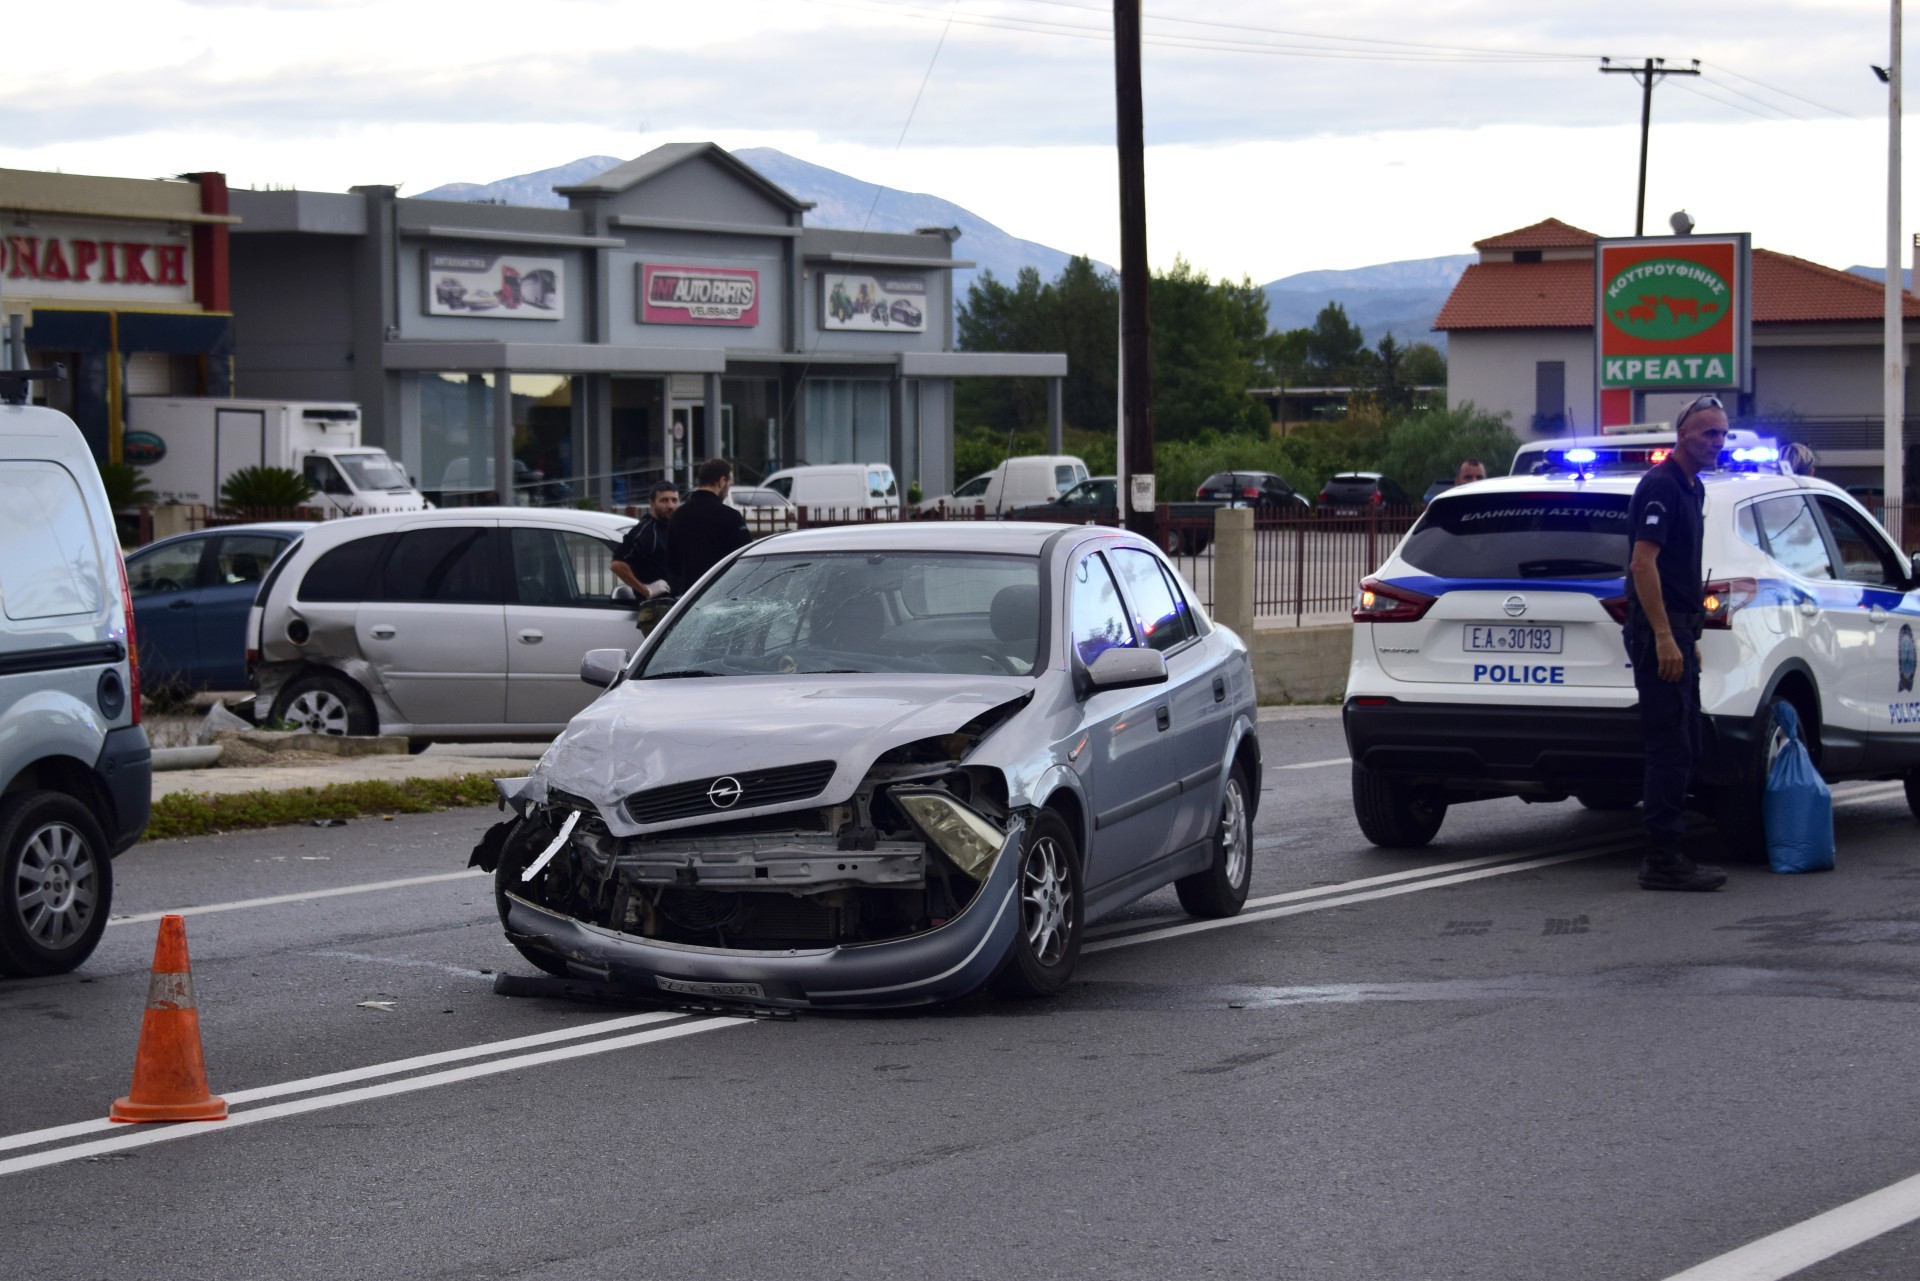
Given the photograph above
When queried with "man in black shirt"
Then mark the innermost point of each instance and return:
(641, 562)
(705, 530)
(1665, 613)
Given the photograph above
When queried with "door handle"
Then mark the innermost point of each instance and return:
(381, 631)
(181, 604)
(1219, 689)
(1162, 717)
(1809, 607)
(532, 636)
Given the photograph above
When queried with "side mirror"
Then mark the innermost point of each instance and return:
(1914, 570)
(623, 594)
(1125, 669)
(600, 668)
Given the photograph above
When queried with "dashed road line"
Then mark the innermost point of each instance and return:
(275, 900)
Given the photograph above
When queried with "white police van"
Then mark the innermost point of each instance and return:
(1488, 659)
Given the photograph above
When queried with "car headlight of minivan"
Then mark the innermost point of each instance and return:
(962, 832)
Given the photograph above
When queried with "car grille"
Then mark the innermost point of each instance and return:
(757, 787)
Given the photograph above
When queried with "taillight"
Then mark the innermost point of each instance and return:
(1376, 498)
(1378, 602)
(133, 653)
(1616, 607)
(1200, 492)
(1727, 597)
(1249, 492)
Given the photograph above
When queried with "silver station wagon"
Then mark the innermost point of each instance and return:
(885, 765)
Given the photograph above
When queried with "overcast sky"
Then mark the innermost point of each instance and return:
(1281, 137)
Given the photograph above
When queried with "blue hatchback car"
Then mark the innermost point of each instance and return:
(191, 594)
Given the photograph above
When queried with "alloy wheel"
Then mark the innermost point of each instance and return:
(319, 711)
(1233, 835)
(56, 888)
(1046, 895)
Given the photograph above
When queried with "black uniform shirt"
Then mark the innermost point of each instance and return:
(701, 534)
(644, 550)
(1666, 509)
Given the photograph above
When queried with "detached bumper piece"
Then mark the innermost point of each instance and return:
(938, 964)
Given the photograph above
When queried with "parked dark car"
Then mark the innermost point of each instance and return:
(1095, 499)
(905, 312)
(1258, 489)
(191, 594)
(1360, 490)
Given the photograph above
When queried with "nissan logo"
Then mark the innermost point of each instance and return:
(1515, 606)
(724, 793)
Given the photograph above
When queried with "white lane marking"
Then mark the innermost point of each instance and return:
(1332, 760)
(33, 1138)
(146, 1136)
(1245, 918)
(1866, 794)
(368, 887)
(1821, 1237)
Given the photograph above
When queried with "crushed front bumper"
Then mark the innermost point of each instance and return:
(921, 969)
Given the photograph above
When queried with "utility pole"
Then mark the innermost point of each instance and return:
(1892, 441)
(1647, 76)
(1136, 382)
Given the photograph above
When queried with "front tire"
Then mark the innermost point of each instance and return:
(1393, 813)
(1913, 792)
(322, 703)
(1047, 943)
(522, 846)
(56, 884)
(1221, 890)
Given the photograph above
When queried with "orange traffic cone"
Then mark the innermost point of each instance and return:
(169, 1072)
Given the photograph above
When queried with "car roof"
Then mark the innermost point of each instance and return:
(330, 533)
(1006, 538)
(252, 527)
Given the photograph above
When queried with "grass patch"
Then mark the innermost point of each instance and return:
(199, 813)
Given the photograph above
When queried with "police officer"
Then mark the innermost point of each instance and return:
(641, 562)
(1664, 616)
(705, 530)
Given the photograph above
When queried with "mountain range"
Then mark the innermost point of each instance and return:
(1397, 297)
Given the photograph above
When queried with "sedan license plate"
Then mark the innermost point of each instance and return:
(686, 988)
(1488, 638)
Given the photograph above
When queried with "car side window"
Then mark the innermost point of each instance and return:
(1160, 614)
(173, 568)
(452, 564)
(1793, 539)
(1748, 527)
(1098, 616)
(343, 574)
(1864, 558)
(244, 558)
(1064, 477)
(324, 476)
(561, 567)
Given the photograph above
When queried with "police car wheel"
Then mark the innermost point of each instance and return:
(1393, 813)
(1913, 792)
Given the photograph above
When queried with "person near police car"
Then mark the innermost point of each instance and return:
(641, 562)
(705, 530)
(1469, 470)
(1665, 614)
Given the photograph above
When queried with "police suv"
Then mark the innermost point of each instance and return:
(1488, 658)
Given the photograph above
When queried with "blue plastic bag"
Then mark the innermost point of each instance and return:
(1797, 808)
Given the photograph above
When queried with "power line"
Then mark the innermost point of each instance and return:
(1727, 88)
(1698, 93)
(1720, 66)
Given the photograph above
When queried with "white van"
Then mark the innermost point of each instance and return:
(857, 489)
(75, 767)
(1026, 481)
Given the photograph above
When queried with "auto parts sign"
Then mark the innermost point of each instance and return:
(1673, 312)
(699, 296)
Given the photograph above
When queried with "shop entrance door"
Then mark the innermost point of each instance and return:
(686, 444)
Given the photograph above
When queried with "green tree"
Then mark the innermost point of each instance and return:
(1425, 366)
(1336, 349)
(1428, 446)
(264, 489)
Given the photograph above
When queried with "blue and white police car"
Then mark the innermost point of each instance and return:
(1488, 659)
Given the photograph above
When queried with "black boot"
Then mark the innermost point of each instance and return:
(1669, 869)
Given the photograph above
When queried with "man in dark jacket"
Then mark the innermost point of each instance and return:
(641, 562)
(1664, 616)
(705, 530)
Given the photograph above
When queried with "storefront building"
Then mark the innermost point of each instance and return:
(679, 308)
(124, 282)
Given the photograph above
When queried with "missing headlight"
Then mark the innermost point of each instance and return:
(961, 832)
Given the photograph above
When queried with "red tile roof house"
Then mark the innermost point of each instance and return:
(1519, 328)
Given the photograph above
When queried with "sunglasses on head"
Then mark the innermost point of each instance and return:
(1705, 402)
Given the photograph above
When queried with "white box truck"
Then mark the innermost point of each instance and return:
(189, 446)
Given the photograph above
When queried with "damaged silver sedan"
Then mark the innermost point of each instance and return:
(886, 765)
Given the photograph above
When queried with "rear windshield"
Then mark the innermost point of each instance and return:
(1521, 536)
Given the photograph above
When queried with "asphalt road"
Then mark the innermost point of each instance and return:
(1492, 1059)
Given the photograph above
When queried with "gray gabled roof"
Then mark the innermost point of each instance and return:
(667, 156)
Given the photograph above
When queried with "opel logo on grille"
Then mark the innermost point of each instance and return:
(1515, 606)
(724, 793)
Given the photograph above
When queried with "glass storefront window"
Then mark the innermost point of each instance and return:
(456, 438)
(750, 426)
(847, 421)
(639, 433)
(544, 474)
